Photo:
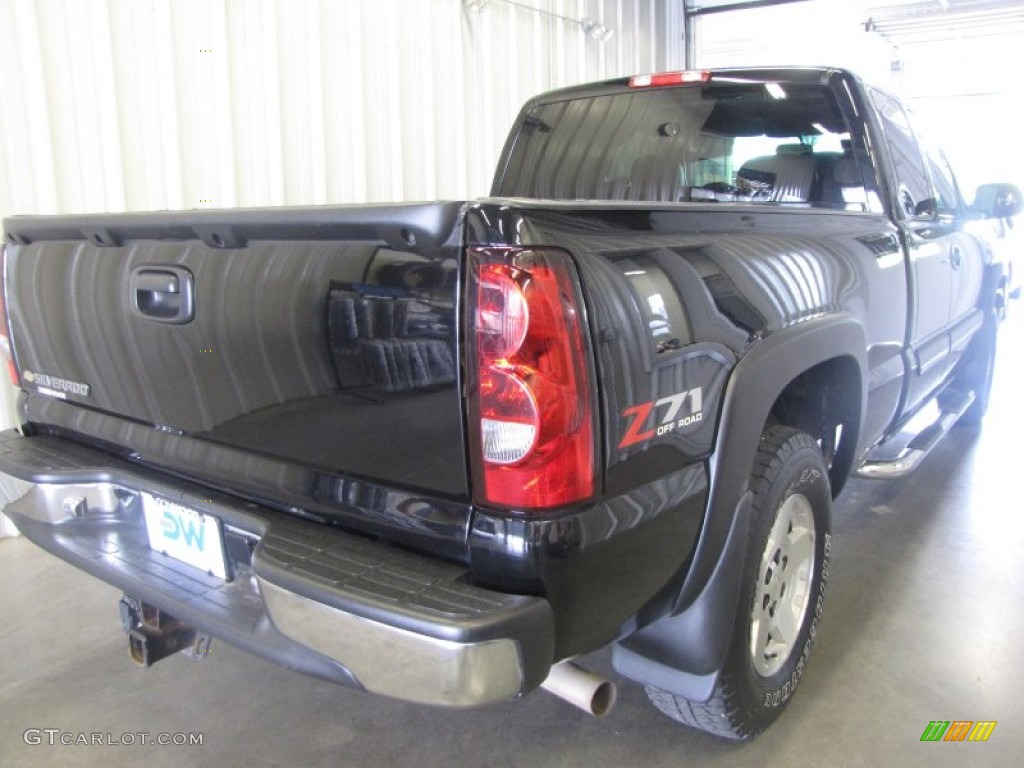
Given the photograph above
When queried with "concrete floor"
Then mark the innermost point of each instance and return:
(924, 622)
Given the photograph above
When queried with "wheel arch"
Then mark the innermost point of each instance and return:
(823, 357)
(826, 402)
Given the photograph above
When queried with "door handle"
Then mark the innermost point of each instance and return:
(956, 256)
(163, 294)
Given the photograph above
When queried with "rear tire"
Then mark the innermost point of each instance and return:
(784, 582)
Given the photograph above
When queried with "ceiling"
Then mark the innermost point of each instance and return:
(908, 22)
(928, 21)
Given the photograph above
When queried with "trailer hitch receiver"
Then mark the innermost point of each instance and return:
(154, 635)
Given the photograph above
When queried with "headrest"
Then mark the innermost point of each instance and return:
(793, 149)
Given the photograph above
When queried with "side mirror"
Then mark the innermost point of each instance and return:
(926, 209)
(997, 201)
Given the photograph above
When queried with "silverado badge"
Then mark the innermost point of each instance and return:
(54, 386)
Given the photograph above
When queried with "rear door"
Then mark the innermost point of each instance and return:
(944, 265)
(966, 254)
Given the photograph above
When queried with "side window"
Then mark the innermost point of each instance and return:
(947, 194)
(911, 174)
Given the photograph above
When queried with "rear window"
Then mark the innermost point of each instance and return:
(727, 141)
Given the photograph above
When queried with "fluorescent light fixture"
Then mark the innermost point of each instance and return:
(775, 90)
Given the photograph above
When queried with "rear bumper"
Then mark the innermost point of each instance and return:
(299, 593)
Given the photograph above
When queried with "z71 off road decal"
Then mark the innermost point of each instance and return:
(660, 417)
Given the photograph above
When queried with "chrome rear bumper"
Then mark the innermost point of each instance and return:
(300, 593)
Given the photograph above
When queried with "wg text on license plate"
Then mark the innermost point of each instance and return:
(184, 534)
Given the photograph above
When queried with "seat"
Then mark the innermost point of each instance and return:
(785, 177)
(841, 179)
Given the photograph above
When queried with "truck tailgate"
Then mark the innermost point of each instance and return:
(318, 345)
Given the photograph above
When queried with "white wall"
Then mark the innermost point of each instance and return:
(967, 93)
(118, 105)
(972, 104)
(814, 32)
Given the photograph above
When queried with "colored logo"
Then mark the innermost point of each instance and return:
(189, 531)
(958, 730)
(660, 417)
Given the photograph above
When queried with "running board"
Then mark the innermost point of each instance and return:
(917, 443)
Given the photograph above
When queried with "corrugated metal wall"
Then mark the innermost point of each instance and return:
(143, 104)
(112, 105)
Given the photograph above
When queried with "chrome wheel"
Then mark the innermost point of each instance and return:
(783, 590)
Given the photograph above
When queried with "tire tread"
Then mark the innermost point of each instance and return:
(722, 714)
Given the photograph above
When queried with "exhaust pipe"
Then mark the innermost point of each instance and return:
(581, 688)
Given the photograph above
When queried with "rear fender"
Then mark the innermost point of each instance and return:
(684, 652)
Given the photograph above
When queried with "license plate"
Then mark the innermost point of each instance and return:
(184, 534)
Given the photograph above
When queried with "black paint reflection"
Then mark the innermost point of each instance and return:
(393, 332)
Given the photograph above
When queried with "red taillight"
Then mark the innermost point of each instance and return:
(670, 78)
(532, 431)
(502, 313)
(5, 339)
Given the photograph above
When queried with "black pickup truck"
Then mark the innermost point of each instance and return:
(437, 451)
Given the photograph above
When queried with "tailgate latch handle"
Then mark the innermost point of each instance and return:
(163, 294)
